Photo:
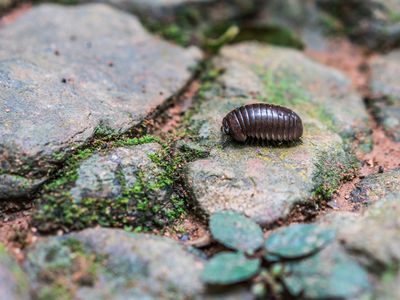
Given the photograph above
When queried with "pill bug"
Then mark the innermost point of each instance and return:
(261, 121)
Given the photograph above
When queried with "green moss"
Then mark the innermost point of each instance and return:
(54, 291)
(283, 90)
(138, 205)
(104, 131)
(64, 268)
(274, 35)
(332, 168)
(137, 141)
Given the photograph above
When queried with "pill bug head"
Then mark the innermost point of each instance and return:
(225, 126)
(231, 126)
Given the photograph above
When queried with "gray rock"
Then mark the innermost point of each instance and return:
(265, 182)
(120, 187)
(113, 264)
(104, 263)
(374, 23)
(375, 238)
(375, 187)
(105, 176)
(389, 289)
(295, 22)
(385, 89)
(67, 73)
(13, 282)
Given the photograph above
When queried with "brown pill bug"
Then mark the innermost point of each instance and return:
(264, 122)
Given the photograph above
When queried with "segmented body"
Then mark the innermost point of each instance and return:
(263, 122)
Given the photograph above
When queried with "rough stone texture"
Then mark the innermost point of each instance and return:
(375, 238)
(375, 187)
(119, 187)
(114, 264)
(265, 182)
(389, 289)
(301, 19)
(374, 23)
(13, 283)
(385, 89)
(98, 176)
(69, 72)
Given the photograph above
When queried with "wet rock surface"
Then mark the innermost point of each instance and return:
(385, 90)
(113, 264)
(78, 72)
(265, 182)
(13, 282)
(375, 187)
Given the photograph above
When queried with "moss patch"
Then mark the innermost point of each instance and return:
(332, 168)
(64, 268)
(137, 208)
(282, 89)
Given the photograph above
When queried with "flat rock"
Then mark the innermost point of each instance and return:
(67, 73)
(119, 187)
(293, 23)
(113, 264)
(375, 238)
(265, 182)
(104, 263)
(385, 89)
(375, 187)
(13, 282)
(374, 23)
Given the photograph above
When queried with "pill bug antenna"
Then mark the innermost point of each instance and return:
(225, 139)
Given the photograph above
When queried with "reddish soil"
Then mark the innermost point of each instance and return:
(168, 122)
(385, 154)
(15, 232)
(14, 14)
(348, 58)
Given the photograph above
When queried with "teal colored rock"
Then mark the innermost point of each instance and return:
(297, 240)
(330, 274)
(236, 231)
(229, 268)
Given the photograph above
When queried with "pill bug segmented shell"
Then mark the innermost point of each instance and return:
(263, 121)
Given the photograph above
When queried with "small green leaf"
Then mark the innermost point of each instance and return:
(297, 240)
(329, 274)
(236, 231)
(229, 268)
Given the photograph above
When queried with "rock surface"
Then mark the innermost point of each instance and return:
(113, 264)
(374, 23)
(69, 73)
(13, 282)
(375, 238)
(294, 23)
(265, 182)
(375, 187)
(385, 89)
(121, 187)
